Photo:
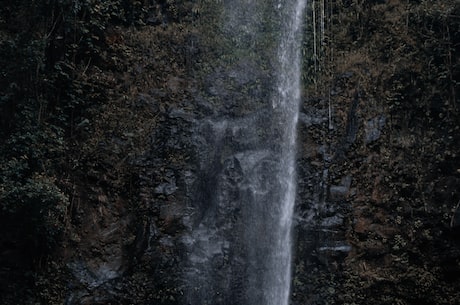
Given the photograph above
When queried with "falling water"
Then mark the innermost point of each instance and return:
(240, 241)
(288, 99)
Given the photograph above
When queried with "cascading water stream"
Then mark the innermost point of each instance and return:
(289, 74)
(240, 241)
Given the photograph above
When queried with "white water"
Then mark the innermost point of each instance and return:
(288, 99)
(241, 246)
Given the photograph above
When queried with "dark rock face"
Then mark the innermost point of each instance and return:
(377, 212)
(322, 209)
(373, 129)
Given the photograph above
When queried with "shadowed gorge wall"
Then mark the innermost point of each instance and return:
(98, 155)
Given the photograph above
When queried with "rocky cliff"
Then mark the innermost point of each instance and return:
(100, 162)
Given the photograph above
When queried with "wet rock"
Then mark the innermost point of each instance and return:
(337, 192)
(373, 129)
(309, 120)
(95, 277)
(169, 187)
(351, 130)
(181, 114)
(166, 188)
(337, 247)
(332, 252)
(340, 192)
(333, 221)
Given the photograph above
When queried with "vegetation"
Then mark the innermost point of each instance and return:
(76, 112)
(399, 59)
(84, 88)
(52, 57)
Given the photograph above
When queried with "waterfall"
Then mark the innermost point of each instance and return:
(240, 242)
(288, 98)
